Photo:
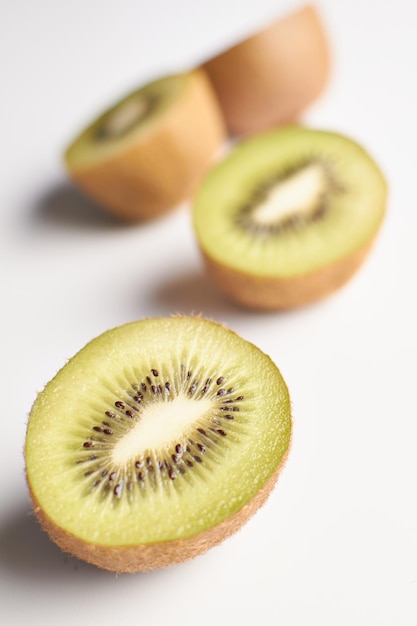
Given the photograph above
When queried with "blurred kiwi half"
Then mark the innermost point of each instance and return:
(289, 216)
(270, 78)
(148, 152)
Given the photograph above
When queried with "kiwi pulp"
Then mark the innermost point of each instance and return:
(155, 442)
(289, 216)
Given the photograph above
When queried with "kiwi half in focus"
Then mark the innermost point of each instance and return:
(155, 442)
(270, 78)
(147, 153)
(289, 216)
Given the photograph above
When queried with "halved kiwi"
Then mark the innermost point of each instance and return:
(155, 442)
(289, 216)
(270, 78)
(148, 152)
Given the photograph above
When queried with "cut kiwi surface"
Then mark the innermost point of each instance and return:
(289, 216)
(270, 78)
(147, 153)
(155, 442)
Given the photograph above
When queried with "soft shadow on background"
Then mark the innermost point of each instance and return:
(65, 207)
(192, 292)
(28, 553)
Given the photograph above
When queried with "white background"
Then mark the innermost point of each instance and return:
(336, 544)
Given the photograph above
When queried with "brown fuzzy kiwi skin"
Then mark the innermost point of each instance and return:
(270, 78)
(279, 293)
(147, 557)
(165, 165)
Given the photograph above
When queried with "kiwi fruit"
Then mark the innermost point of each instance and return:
(289, 216)
(148, 152)
(270, 78)
(155, 442)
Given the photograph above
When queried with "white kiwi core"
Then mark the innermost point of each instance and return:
(161, 424)
(122, 118)
(298, 195)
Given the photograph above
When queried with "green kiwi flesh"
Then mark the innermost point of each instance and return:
(286, 205)
(150, 439)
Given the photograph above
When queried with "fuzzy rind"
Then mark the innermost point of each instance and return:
(278, 293)
(271, 77)
(147, 557)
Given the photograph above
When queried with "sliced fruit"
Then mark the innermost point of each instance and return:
(147, 153)
(155, 442)
(289, 216)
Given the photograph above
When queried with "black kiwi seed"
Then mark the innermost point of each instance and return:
(118, 489)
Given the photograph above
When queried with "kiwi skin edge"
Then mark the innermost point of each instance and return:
(164, 166)
(147, 557)
(271, 77)
(275, 293)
